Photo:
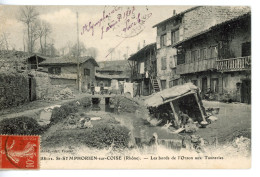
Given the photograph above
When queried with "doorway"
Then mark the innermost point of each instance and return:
(32, 89)
(204, 86)
(163, 84)
(246, 91)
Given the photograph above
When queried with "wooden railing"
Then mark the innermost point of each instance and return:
(197, 66)
(234, 64)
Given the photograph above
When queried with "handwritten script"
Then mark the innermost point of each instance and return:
(126, 22)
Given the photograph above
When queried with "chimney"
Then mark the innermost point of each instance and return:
(138, 48)
(144, 44)
(174, 12)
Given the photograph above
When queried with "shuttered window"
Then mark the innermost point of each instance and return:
(54, 70)
(163, 63)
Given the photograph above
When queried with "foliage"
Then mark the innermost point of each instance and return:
(85, 102)
(124, 104)
(104, 135)
(14, 89)
(20, 126)
(59, 114)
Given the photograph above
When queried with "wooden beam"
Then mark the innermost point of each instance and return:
(37, 62)
(175, 114)
(201, 111)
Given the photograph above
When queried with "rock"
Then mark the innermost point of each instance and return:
(95, 118)
(212, 118)
(191, 128)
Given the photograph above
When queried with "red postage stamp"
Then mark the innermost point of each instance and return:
(19, 152)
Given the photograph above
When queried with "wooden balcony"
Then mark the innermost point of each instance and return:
(197, 66)
(234, 64)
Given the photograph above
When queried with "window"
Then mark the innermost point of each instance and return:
(163, 27)
(163, 63)
(86, 72)
(54, 70)
(193, 56)
(152, 53)
(246, 49)
(175, 36)
(214, 52)
(173, 83)
(163, 40)
(188, 56)
(203, 54)
(141, 71)
(174, 60)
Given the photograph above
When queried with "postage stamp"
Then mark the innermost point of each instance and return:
(19, 152)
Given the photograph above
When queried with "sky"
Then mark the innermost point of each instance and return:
(123, 35)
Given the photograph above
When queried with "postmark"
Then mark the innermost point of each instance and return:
(19, 152)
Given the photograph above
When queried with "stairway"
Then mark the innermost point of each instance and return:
(155, 84)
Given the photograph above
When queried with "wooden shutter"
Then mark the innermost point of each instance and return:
(168, 43)
(181, 33)
(158, 41)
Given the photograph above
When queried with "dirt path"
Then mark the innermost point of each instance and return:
(32, 108)
(234, 119)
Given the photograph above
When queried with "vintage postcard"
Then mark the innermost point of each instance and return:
(125, 87)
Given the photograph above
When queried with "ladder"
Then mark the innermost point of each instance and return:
(155, 84)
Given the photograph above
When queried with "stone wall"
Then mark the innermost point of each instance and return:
(204, 17)
(43, 84)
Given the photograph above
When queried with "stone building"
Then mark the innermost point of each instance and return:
(143, 69)
(19, 60)
(182, 26)
(218, 59)
(63, 71)
(111, 73)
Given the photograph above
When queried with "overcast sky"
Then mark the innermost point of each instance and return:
(63, 21)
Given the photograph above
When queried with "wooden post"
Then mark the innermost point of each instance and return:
(201, 111)
(175, 114)
(37, 62)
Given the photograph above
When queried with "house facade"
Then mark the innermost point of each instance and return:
(63, 71)
(143, 69)
(218, 60)
(182, 26)
(112, 73)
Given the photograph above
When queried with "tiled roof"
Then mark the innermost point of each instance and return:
(144, 49)
(66, 60)
(114, 76)
(114, 65)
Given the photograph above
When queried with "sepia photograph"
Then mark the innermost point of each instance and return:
(125, 87)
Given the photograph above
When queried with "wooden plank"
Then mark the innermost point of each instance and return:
(179, 130)
(201, 111)
(175, 114)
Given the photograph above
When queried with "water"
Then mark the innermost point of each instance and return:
(138, 126)
(141, 128)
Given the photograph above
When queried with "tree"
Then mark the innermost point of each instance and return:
(73, 50)
(4, 38)
(46, 32)
(43, 30)
(92, 51)
(34, 35)
(28, 15)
